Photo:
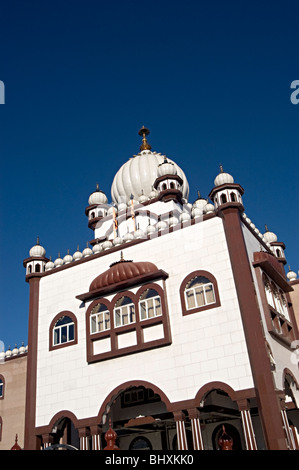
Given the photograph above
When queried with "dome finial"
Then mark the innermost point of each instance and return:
(145, 145)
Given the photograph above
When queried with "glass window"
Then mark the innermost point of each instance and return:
(199, 292)
(99, 319)
(1, 388)
(124, 312)
(64, 331)
(150, 304)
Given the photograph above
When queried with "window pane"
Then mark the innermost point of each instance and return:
(200, 299)
(142, 307)
(210, 294)
(190, 299)
(158, 306)
(93, 324)
(71, 332)
(56, 335)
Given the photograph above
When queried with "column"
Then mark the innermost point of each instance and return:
(84, 434)
(181, 430)
(247, 425)
(196, 429)
(47, 440)
(288, 431)
(96, 432)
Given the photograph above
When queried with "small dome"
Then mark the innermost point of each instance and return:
(77, 255)
(87, 251)
(291, 275)
(68, 258)
(107, 244)
(223, 178)
(49, 265)
(22, 349)
(200, 202)
(37, 250)
(270, 237)
(117, 241)
(166, 168)
(15, 350)
(97, 248)
(139, 233)
(150, 229)
(58, 262)
(121, 271)
(209, 208)
(128, 237)
(97, 197)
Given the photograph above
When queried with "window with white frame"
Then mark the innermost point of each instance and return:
(199, 292)
(99, 319)
(124, 312)
(150, 304)
(63, 331)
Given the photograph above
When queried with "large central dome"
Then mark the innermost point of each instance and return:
(138, 174)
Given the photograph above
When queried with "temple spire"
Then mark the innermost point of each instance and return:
(145, 145)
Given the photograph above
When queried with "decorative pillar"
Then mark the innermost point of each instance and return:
(196, 429)
(48, 440)
(289, 434)
(180, 429)
(84, 438)
(96, 432)
(247, 425)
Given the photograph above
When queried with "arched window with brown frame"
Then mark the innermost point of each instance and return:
(63, 330)
(199, 291)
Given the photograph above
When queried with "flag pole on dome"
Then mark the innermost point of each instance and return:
(133, 212)
(115, 224)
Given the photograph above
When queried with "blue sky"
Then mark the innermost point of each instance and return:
(211, 80)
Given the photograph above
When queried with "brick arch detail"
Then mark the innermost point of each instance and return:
(209, 387)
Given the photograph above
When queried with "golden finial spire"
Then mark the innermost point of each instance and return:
(145, 145)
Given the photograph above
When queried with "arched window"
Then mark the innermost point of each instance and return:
(233, 197)
(164, 187)
(268, 290)
(124, 312)
(149, 304)
(63, 330)
(223, 198)
(199, 291)
(37, 268)
(99, 318)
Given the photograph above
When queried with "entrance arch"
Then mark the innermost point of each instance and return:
(140, 414)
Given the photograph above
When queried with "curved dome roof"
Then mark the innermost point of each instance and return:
(138, 174)
(223, 178)
(122, 271)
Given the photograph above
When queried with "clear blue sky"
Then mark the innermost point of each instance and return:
(211, 80)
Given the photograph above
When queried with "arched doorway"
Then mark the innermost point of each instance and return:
(140, 418)
(64, 432)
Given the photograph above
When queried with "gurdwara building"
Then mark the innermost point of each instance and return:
(173, 326)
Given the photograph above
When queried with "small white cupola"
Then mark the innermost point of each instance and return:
(37, 260)
(168, 183)
(97, 207)
(226, 192)
(276, 246)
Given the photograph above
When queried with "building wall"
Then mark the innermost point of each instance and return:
(283, 355)
(295, 299)
(12, 406)
(206, 346)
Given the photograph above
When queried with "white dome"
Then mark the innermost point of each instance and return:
(68, 258)
(223, 178)
(139, 174)
(87, 251)
(49, 265)
(97, 197)
(270, 237)
(291, 275)
(166, 168)
(58, 261)
(77, 255)
(37, 250)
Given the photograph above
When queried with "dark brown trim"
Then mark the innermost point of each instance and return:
(188, 278)
(64, 313)
(167, 177)
(138, 327)
(3, 386)
(272, 267)
(251, 317)
(30, 440)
